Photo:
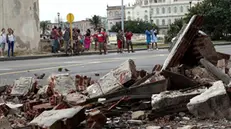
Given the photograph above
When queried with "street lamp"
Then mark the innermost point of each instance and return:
(58, 18)
(190, 4)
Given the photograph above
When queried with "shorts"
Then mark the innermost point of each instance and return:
(101, 45)
(2, 46)
(129, 41)
(148, 42)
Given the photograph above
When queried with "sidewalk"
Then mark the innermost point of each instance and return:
(85, 53)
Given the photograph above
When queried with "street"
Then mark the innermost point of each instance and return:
(83, 65)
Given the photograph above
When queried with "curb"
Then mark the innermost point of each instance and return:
(85, 53)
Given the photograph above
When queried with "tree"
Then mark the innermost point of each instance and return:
(217, 17)
(44, 26)
(95, 21)
(134, 26)
(174, 29)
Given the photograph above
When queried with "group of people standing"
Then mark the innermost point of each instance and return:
(151, 39)
(121, 41)
(7, 39)
(99, 37)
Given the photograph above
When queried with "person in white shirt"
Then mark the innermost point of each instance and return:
(10, 40)
(2, 42)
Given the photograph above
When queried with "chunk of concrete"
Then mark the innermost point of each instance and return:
(4, 123)
(75, 98)
(188, 127)
(22, 86)
(153, 127)
(62, 83)
(213, 103)
(173, 98)
(52, 119)
(137, 115)
(114, 80)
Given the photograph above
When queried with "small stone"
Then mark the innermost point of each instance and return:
(186, 118)
(137, 115)
(188, 127)
(182, 114)
(138, 122)
(177, 119)
(153, 127)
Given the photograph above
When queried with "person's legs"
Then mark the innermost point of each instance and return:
(8, 52)
(95, 45)
(100, 47)
(127, 42)
(131, 46)
(12, 48)
(156, 45)
(3, 48)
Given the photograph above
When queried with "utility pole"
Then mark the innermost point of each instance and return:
(122, 16)
(58, 19)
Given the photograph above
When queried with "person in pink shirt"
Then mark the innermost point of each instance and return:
(87, 40)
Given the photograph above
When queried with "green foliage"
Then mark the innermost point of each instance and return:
(44, 26)
(174, 29)
(95, 21)
(217, 17)
(134, 26)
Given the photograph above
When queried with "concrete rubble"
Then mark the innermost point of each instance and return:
(190, 90)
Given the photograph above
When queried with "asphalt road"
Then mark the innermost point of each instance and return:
(83, 65)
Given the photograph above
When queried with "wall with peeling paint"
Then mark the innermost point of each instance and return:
(23, 17)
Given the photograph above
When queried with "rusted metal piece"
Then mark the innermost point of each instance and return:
(178, 81)
(183, 42)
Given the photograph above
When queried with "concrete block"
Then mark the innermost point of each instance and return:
(167, 98)
(137, 115)
(62, 83)
(114, 80)
(22, 86)
(213, 103)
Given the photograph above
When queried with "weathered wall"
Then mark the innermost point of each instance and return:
(23, 17)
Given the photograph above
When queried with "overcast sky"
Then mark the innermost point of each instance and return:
(81, 9)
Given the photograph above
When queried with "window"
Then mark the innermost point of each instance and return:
(116, 13)
(163, 10)
(163, 22)
(110, 13)
(129, 18)
(155, 1)
(182, 9)
(146, 2)
(175, 9)
(138, 19)
(129, 12)
(163, 1)
(146, 11)
(157, 22)
(146, 17)
(169, 21)
(151, 11)
(137, 13)
(150, 1)
(157, 10)
(159, 1)
(110, 22)
(169, 9)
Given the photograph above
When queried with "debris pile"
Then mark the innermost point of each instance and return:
(190, 90)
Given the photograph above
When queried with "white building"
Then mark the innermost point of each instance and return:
(160, 12)
(113, 15)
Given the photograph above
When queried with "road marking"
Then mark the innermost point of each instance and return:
(5, 69)
(106, 60)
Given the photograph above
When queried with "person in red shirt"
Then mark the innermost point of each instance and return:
(95, 39)
(128, 36)
(101, 40)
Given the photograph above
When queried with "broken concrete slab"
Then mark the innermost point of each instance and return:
(62, 83)
(54, 119)
(22, 86)
(171, 98)
(213, 103)
(216, 71)
(114, 80)
(183, 42)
